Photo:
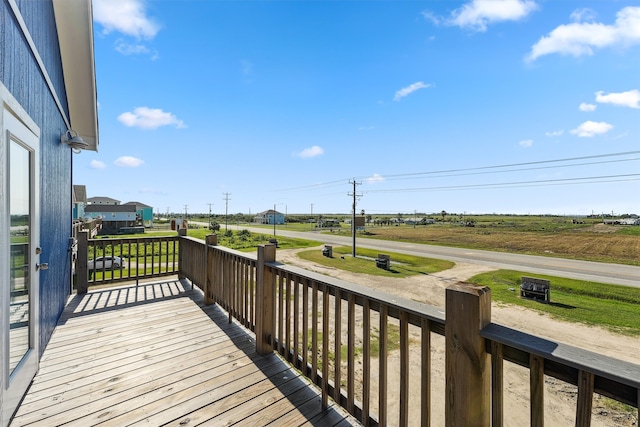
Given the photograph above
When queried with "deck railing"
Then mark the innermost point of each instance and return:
(357, 344)
(146, 257)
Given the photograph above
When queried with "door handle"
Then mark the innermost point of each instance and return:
(43, 266)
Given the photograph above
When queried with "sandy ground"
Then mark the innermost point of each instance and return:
(560, 398)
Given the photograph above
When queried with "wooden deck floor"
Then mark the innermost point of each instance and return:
(155, 356)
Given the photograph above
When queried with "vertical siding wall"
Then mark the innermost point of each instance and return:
(20, 73)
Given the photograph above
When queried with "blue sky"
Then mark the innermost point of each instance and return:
(507, 106)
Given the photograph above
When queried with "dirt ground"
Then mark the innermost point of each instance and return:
(560, 398)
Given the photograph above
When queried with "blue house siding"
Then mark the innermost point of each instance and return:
(20, 73)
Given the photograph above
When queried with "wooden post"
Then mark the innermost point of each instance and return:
(497, 384)
(585, 398)
(82, 273)
(536, 387)
(181, 233)
(468, 373)
(210, 240)
(265, 300)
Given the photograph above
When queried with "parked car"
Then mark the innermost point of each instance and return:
(107, 263)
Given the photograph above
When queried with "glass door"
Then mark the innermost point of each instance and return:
(20, 278)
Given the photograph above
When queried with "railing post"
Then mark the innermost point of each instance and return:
(181, 233)
(210, 240)
(468, 373)
(82, 273)
(265, 300)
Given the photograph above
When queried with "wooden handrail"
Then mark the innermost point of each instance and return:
(294, 311)
(146, 257)
(591, 372)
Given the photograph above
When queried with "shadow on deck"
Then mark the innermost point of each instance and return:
(156, 355)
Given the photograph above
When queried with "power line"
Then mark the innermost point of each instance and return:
(564, 181)
(482, 169)
(400, 177)
(517, 164)
(335, 183)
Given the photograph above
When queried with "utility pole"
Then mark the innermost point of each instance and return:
(186, 216)
(353, 215)
(210, 204)
(226, 210)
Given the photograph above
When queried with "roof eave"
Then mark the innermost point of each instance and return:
(74, 21)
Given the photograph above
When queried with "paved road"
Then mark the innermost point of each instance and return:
(584, 270)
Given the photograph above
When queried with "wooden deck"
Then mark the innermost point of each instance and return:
(155, 355)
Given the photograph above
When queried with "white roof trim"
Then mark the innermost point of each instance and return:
(74, 20)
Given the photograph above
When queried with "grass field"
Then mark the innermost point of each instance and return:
(592, 243)
(559, 236)
(616, 308)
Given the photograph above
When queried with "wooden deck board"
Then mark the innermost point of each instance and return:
(155, 355)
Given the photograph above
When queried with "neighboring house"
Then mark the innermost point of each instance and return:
(79, 196)
(114, 217)
(102, 201)
(269, 217)
(145, 213)
(47, 90)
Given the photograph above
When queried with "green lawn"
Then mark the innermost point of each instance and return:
(364, 263)
(616, 308)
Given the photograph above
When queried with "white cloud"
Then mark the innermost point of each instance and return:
(526, 143)
(430, 16)
(478, 14)
(375, 178)
(587, 107)
(409, 90)
(311, 152)
(590, 129)
(131, 49)
(581, 38)
(629, 99)
(97, 164)
(554, 133)
(128, 162)
(149, 118)
(125, 16)
(582, 15)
